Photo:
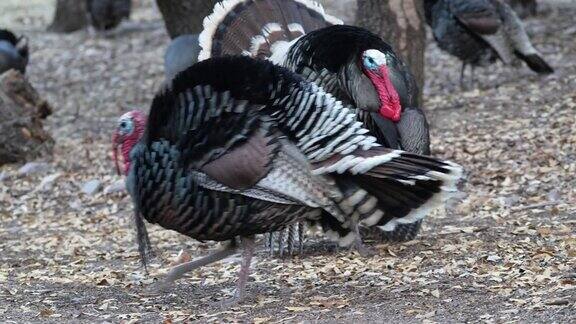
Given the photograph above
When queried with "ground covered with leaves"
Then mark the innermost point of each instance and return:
(506, 251)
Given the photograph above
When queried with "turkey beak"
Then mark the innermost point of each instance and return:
(115, 148)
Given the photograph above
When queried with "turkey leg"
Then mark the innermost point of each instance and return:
(463, 76)
(360, 247)
(180, 270)
(248, 247)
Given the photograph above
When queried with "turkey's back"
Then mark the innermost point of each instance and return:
(454, 37)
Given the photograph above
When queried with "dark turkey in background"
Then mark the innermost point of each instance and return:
(13, 52)
(107, 14)
(524, 8)
(480, 32)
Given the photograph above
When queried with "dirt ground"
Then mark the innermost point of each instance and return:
(505, 253)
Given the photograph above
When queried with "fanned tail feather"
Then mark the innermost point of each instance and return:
(256, 27)
(387, 189)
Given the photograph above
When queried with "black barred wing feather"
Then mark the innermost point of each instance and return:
(388, 188)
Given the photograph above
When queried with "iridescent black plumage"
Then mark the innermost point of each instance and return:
(232, 149)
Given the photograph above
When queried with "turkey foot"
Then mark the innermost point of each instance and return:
(360, 247)
(363, 250)
(180, 270)
(248, 247)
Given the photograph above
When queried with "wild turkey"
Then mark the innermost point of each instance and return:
(479, 32)
(107, 14)
(524, 8)
(181, 54)
(13, 52)
(236, 147)
(351, 63)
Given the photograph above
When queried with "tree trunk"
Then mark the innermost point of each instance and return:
(184, 16)
(400, 22)
(69, 16)
(22, 137)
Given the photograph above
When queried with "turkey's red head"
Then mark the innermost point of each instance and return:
(129, 130)
(374, 66)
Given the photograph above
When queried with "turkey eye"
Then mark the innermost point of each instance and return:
(125, 126)
(370, 63)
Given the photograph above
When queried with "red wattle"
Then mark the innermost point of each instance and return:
(390, 107)
(390, 113)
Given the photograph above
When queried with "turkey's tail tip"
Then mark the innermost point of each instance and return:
(402, 232)
(537, 64)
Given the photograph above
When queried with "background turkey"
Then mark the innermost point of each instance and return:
(353, 64)
(479, 32)
(181, 54)
(226, 153)
(524, 8)
(107, 14)
(13, 52)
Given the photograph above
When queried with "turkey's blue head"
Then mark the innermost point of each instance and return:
(129, 129)
(374, 65)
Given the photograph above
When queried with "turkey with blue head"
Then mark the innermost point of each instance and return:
(354, 65)
(480, 32)
(13, 52)
(234, 147)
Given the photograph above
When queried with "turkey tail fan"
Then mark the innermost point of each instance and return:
(393, 187)
(256, 27)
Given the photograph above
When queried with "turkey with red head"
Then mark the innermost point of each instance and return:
(479, 32)
(236, 147)
(351, 63)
